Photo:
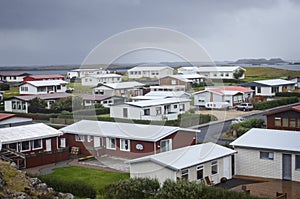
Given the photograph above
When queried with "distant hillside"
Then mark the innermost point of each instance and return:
(260, 61)
(268, 72)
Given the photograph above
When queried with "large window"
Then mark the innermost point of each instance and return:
(165, 145)
(277, 121)
(79, 138)
(292, 122)
(297, 162)
(214, 167)
(199, 172)
(266, 155)
(258, 89)
(25, 146)
(185, 174)
(124, 145)
(37, 144)
(285, 122)
(147, 111)
(111, 143)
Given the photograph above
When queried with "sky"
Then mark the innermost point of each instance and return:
(57, 32)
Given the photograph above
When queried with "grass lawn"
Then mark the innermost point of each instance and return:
(104, 115)
(255, 73)
(94, 177)
(13, 91)
(79, 88)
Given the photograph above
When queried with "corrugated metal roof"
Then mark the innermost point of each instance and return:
(43, 96)
(46, 76)
(27, 132)
(149, 68)
(121, 130)
(122, 85)
(187, 156)
(269, 139)
(4, 116)
(46, 83)
(157, 102)
(211, 68)
(274, 82)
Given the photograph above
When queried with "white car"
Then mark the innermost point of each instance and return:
(237, 120)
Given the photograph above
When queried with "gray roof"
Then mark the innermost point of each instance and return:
(150, 68)
(122, 130)
(46, 83)
(187, 156)
(43, 96)
(269, 139)
(212, 68)
(27, 132)
(157, 102)
(122, 85)
(274, 82)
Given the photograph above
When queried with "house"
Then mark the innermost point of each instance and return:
(10, 120)
(268, 153)
(214, 72)
(105, 100)
(192, 163)
(83, 72)
(296, 80)
(152, 71)
(125, 140)
(43, 87)
(175, 80)
(233, 95)
(156, 109)
(20, 104)
(13, 77)
(162, 95)
(43, 77)
(94, 80)
(268, 88)
(167, 88)
(122, 89)
(284, 119)
(32, 145)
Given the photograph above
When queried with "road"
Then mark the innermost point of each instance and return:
(212, 132)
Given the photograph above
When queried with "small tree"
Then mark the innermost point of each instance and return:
(4, 87)
(67, 104)
(37, 105)
(238, 74)
(239, 129)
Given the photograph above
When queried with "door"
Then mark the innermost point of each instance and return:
(48, 145)
(226, 167)
(62, 142)
(97, 142)
(286, 166)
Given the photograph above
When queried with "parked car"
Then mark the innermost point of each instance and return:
(244, 107)
(237, 120)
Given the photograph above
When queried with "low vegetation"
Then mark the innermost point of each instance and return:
(268, 73)
(275, 103)
(240, 128)
(288, 94)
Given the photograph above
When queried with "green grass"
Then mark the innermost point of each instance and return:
(96, 178)
(79, 88)
(13, 91)
(104, 115)
(268, 73)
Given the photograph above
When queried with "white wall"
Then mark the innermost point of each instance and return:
(151, 73)
(94, 81)
(8, 106)
(201, 96)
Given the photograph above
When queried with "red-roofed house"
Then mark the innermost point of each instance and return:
(233, 95)
(9, 120)
(284, 119)
(44, 77)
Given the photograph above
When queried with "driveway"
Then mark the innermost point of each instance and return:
(227, 114)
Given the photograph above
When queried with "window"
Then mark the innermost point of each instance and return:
(175, 106)
(111, 143)
(124, 145)
(62, 142)
(298, 123)
(292, 122)
(24, 88)
(25, 146)
(226, 74)
(285, 122)
(58, 87)
(181, 107)
(266, 155)
(125, 112)
(37, 144)
(79, 138)
(215, 74)
(89, 138)
(214, 167)
(173, 82)
(277, 121)
(147, 111)
(297, 162)
(199, 170)
(13, 146)
(158, 110)
(165, 145)
(258, 89)
(185, 174)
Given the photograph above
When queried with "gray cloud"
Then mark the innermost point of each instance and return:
(64, 31)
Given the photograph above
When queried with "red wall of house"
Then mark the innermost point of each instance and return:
(286, 114)
(71, 142)
(46, 159)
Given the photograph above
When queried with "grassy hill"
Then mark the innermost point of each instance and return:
(255, 73)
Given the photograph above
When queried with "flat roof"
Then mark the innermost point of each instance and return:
(269, 139)
(187, 156)
(212, 68)
(130, 131)
(157, 102)
(27, 132)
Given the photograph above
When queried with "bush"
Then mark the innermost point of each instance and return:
(77, 188)
(4, 87)
(275, 103)
(288, 94)
(243, 127)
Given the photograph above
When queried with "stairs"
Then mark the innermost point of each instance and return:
(12, 156)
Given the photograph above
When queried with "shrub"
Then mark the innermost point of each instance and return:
(77, 188)
(4, 87)
(275, 103)
(288, 94)
(243, 127)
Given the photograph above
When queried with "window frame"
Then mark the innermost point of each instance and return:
(200, 168)
(24, 150)
(270, 155)
(122, 145)
(109, 143)
(169, 145)
(78, 138)
(37, 148)
(213, 164)
(185, 174)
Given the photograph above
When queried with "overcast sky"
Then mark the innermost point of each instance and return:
(35, 32)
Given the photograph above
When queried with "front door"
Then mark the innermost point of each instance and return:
(97, 142)
(286, 166)
(226, 167)
(48, 145)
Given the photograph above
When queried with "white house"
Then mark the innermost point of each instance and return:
(168, 88)
(268, 153)
(13, 77)
(43, 87)
(105, 100)
(157, 109)
(83, 72)
(192, 163)
(233, 95)
(213, 72)
(269, 88)
(296, 80)
(123, 89)
(20, 104)
(94, 80)
(162, 95)
(150, 72)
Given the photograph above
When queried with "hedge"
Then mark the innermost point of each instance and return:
(288, 94)
(4, 87)
(275, 103)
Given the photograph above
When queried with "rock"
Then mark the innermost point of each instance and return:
(35, 181)
(65, 195)
(41, 187)
(13, 164)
